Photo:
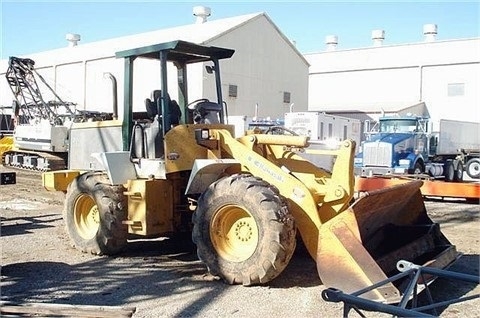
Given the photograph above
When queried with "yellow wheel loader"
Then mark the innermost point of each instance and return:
(179, 169)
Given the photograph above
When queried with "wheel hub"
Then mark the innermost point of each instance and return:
(87, 217)
(234, 233)
(243, 231)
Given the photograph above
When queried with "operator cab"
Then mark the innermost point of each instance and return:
(138, 142)
(181, 54)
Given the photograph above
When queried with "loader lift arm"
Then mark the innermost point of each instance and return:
(314, 195)
(355, 246)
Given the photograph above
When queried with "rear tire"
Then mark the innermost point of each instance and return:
(243, 230)
(94, 211)
(449, 171)
(459, 172)
(473, 168)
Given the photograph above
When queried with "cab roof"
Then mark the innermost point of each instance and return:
(179, 51)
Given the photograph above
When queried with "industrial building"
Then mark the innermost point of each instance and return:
(436, 78)
(268, 76)
(266, 69)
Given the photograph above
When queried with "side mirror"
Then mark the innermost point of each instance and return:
(210, 69)
(366, 127)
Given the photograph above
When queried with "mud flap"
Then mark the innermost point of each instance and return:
(362, 245)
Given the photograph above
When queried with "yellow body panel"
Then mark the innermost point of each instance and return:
(150, 206)
(58, 180)
(6, 144)
(181, 149)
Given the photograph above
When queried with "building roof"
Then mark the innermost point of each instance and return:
(416, 107)
(200, 33)
(396, 56)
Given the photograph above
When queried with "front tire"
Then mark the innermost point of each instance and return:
(417, 169)
(243, 230)
(94, 211)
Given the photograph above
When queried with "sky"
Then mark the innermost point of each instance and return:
(35, 26)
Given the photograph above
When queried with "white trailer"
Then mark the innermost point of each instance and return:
(325, 132)
(460, 139)
(454, 135)
(320, 126)
(243, 124)
(240, 123)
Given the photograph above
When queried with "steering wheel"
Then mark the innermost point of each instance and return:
(192, 105)
(280, 130)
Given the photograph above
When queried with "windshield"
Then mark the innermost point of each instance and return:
(398, 125)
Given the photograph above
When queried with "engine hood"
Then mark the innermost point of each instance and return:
(391, 138)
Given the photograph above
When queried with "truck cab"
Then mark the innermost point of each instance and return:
(399, 146)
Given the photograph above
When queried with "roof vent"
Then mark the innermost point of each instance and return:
(201, 13)
(331, 41)
(430, 32)
(378, 36)
(72, 39)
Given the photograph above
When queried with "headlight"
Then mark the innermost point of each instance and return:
(404, 162)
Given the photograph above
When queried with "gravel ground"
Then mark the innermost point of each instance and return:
(160, 280)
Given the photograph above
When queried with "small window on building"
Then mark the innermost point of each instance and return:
(330, 130)
(286, 97)
(345, 134)
(321, 131)
(456, 89)
(232, 90)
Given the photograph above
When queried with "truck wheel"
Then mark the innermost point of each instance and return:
(459, 172)
(94, 211)
(417, 169)
(450, 173)
(243, 230)
(473, 168)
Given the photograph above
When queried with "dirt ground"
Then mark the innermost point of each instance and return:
(39, 266)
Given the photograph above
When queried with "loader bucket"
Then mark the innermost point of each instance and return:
(361, 246)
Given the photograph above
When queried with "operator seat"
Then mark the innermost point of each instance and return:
(151, 107)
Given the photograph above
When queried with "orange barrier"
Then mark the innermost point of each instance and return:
(467, 190)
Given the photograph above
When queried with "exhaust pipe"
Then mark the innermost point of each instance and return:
(114, 93)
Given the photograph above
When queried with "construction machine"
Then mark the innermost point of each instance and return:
(41, 128)
(250, 196)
